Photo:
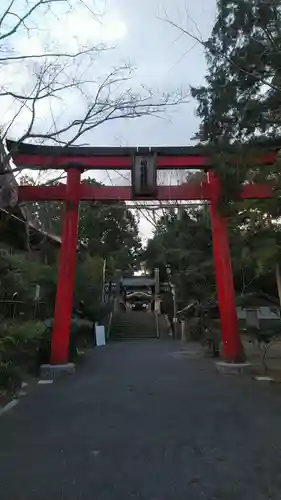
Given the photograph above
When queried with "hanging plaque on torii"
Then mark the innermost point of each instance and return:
(144, 175)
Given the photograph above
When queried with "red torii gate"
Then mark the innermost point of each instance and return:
(77, 159)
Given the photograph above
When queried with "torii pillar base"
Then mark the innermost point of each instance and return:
(233, 368)
(52, 372)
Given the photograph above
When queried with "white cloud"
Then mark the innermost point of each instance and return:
(33, 45)
(80, 28)
(67, 29)
(71, 30)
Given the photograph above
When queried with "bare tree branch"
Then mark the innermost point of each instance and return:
(6, 12)
(21, 57)
(23, 18)
(61, 77)
(204, 44)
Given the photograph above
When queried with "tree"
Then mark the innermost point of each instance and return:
(55, 73)
(88, 287)
(44, 215)
(109, 231)
(238, 104)
(255, 239)
(184, 244)
(153, 211)
(20, 275)
(56, 69)
(241, 97)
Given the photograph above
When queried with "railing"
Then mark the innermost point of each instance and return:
(108, 326)
(157, 324)
(107, 321)
(13, 309)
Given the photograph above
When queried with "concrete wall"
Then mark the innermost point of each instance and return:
(264, 312)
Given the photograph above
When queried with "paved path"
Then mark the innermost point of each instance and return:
(140, 422)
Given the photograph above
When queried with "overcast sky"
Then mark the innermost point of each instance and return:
(164, 60)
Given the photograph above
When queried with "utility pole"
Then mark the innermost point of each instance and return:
(173, 292)
(157, 307)
(103, 280)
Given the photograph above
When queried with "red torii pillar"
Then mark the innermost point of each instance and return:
(233, 350)
(66, 272)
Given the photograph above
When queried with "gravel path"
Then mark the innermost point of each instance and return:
(141, 421)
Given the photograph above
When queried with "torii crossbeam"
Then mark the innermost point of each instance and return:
(75, 160)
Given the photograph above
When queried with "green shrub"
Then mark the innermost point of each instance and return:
(21, 274)
(10, 377)
(20, 342)
(27, 345)
(44, 350)
(88, 285)
(22, 331)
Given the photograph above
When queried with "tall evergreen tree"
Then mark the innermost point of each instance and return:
(242, 95)
(239, 103)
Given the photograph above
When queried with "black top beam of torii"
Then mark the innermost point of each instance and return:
(168, 157)
(200, 150)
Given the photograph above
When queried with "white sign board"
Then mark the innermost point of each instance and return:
(157, 306)
(37, 292)
(100, 335)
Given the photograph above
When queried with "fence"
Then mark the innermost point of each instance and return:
(14, 309)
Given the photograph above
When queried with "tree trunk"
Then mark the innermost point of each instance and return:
(27, 234)
(278, 281)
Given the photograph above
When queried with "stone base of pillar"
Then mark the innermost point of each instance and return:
(51, 372)
(233, 368)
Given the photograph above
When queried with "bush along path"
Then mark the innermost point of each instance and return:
(24, 346)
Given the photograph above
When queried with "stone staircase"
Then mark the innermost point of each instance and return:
(136, 325)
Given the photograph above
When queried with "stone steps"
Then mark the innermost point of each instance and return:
(133, 325)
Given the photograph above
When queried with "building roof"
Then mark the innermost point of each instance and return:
(20, 213)
(33, 227)
(257, 299)
(138, 281)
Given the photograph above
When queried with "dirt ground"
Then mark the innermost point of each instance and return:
(266, 360)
